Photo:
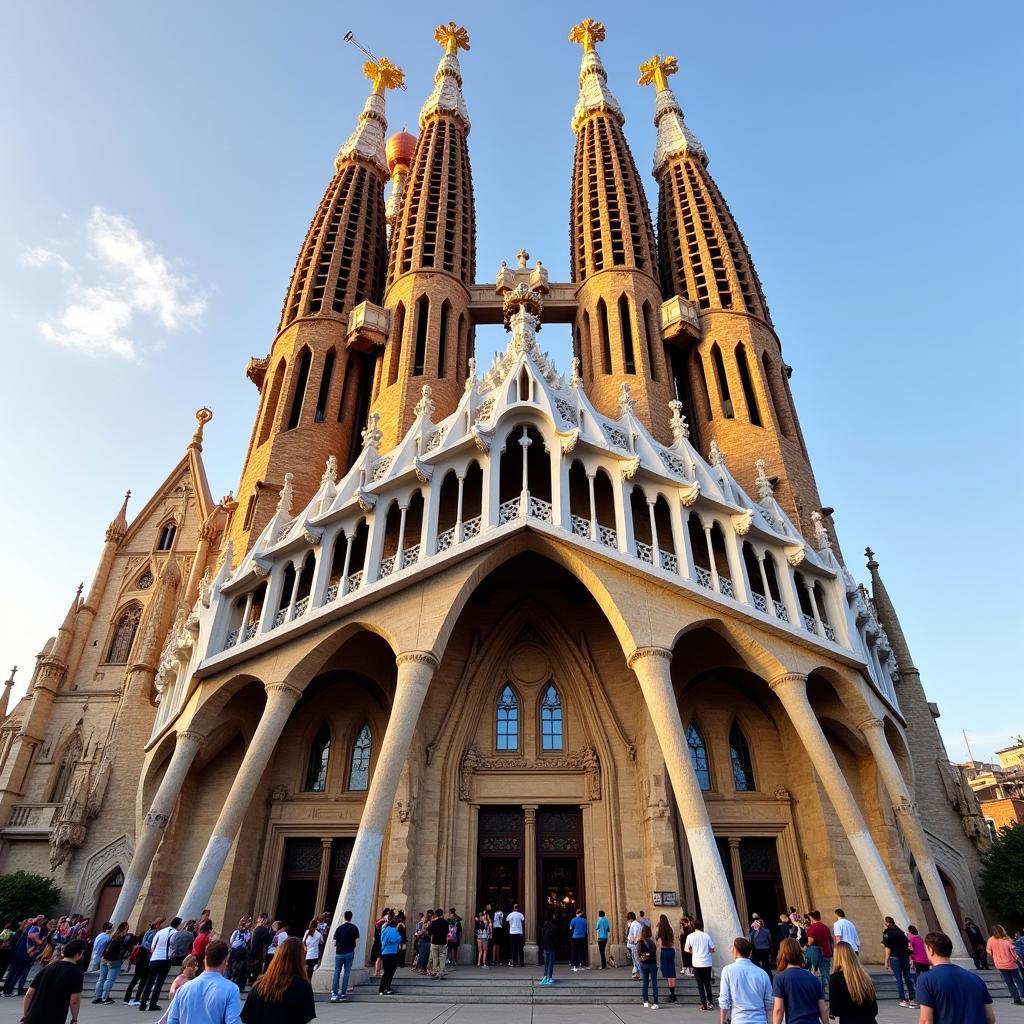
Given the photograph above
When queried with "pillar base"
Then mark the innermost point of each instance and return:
(531, 954)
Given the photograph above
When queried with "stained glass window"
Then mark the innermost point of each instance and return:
(359, 772)
(742, 767)
(551, 732)
(320, 752)
(699, 756)
(124, 635)
(508, 721)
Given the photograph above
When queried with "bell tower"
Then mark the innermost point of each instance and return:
(314, 390)
(432, 258)
(617, 334)
(732, 380)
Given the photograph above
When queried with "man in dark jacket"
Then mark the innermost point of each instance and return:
(261, 936)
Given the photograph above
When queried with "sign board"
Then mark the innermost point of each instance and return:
(666, 899)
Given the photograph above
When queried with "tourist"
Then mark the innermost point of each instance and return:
(114, 952)
(976, 940)
(647, 954)
(422, 941)
(1018, 951)
(189, 970)
(280, 933)
(455, 934)
(282, 994)
(897, 960)
(633, 929)
(851, 998)
(549, 948)
(1000, 949)
(645, 921)
(390, 943)
(685, 927)
(8, 940)
(56, 989)
(238, 957)
(602, 929)
(209, 998)
(400, 925)
(844, 930)
(159, 965)
(139, 958)
(258, 943)
(515, 922)
(346, 938)
(947, 993)
(799, 997)
(666, 939)
(438, 931)
(203, 939)
(375, 959)
(100, 944)
(761, 945)
(701, 946)
(201, 920)
(818, 954)
(784, 929)
(578, 931)
(482, 927)
(312, 941)
(496, 952)
(745, 989)
(181, 943)
(918, 953)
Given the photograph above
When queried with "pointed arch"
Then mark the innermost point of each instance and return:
(552, 722)
(397, 329)
(123, 635)
(723, 382)
(419, 360)
(699, 756)
(166, 538)
(325, 386)
(606, 345)
(739, 755)
(319, 757)
(626, 333)
(272, 399)
(69, 758)
(299, 393)
(359, 764)
(442, 338)
(506, 724)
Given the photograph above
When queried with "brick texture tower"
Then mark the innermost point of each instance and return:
(612, 255)
(732, 382)
(314, 390)
(432, 258)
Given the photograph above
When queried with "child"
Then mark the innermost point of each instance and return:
(189, 969)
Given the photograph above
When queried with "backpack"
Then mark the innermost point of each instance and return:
(453, 932)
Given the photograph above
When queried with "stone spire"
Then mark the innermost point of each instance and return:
(367, 141)
(887, 616)
(203, 416)
(119, 524)
(447, 96)
(674, 136)
(5, 697)
(595, 95)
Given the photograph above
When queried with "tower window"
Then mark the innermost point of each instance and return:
(319, 754)
(305, 359)
(422, 318)
(396, 343)
(271, 408)
(742, 767)
(748, 385)
(325, 387)
(124, 635)
(359, 769)
(723, 382)
(551, 725)
(507, 734)
(626, 327)
(166, 540)
(442, 338)
(699, 757)
(653, 336)
(606, 346)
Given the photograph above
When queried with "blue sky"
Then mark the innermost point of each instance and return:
(161, 163)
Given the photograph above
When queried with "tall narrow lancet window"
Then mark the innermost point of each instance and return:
(359, 770)
(442, 338)
(699, 757)
(606, 345)
(626, 328)
(124, 635)
(319, 754)
(301, 377)
(748, 386)
(325, 388)
(507, 735)
(551, 724)
(422, 320)
(723, 382)
(167, 537)
(742, 767)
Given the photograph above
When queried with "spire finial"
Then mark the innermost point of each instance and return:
(872, 564)
(656, 71)
(522, 256)
(10, 679)
(384, 75)
(203, 416)
(452, 37)
(119, 524)
(587, 33)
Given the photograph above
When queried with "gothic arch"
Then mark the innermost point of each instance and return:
(754, 655)
(115, 856)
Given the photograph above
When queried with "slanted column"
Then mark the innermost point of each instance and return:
(460, 535)
(325, 870)
(818, 626)
(910, 824)
(711, 555)
(415, 671)
(768, 599)
(281, 698)
(652, 666)
(655, 547)
(524, 494)
(154, 825)
(400, 553)
(347, 567)
(737, 877)
(791, 689)
(787, 583)
(529, 907)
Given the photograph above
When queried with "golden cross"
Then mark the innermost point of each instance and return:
(384, 75)
(586, 33)
(656, 71)
(452, 37)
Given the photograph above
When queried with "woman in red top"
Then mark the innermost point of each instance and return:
(202, 940)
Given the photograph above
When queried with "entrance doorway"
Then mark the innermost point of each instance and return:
(560, 888)
(500, 855)
(755, 878)
(300, 878)
(106, 898)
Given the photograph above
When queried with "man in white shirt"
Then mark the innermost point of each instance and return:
(745, 991)
(845, 930)
(159, 965)
(633, 929)
(700, 947)
(514, 922)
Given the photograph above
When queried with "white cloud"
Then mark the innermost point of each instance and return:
(126, 281)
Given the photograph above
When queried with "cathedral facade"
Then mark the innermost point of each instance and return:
(567, 637)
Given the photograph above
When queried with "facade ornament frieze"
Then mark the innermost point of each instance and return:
(741, 523)
(715, 454)
(585, 760)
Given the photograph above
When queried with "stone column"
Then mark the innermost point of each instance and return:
(325, 869)
(910, 824)
(155, 823)
(791, 689)
(737, 878)
(415, 671)
(652, 667)
(529, 905)
(281, 698)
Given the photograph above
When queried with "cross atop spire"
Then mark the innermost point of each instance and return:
(587, 33)
(384, 75)
(452, 37)
(656, 71)
(594, 92)
(674, 136)
(119, 524)
(10, 679)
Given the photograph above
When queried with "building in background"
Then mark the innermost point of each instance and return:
(577, 636)
(999, 787)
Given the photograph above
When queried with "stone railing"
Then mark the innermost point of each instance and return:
(37, 818)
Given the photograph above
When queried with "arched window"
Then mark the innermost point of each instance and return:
(319, 753)
(359, 770)
(626, 330)
(551, 725)
(305, 361)
(723, 382)
(606, 345)
(270, 410)
(507, 735)
(167, 536)
(699, 756)
(124, 635)
(420, 352)
(397, 329)
(742, 767)
(325, 388)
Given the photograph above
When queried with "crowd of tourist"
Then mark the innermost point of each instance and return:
(798, 969)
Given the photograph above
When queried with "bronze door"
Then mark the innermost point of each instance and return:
(560, 889)
(500, 853)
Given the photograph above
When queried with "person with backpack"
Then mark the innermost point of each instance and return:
(159, 965)
(647, 954)
(455, 936)
(897, 960)
(114, 952)
(238, 955)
